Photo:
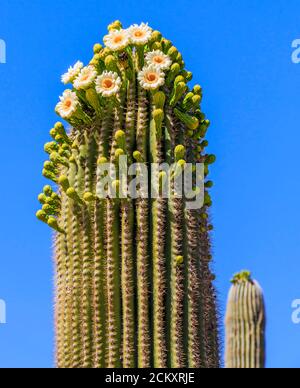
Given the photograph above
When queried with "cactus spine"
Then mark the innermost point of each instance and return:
(245, 324)
(133, 281)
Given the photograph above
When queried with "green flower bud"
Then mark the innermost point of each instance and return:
(93, 99)
(178, 79)
(102, 160)
(49, 175)
(50, 209)
(48, 190)
(159, 99)
(97, 48)
(158, 116)
(209, 184)
(207, 200)
(53, 133)
(116, 25)
(178, 92)
(119, 152)
(190, 121)
(89, 197)
(167, 44)
(181, 164)
(197, 90)
(196, 100)
(210, 159)
(42, 216)
(188, 101)
(63, 181)
(52, 222)
(156, 46)
(179, 260)
(120, 138)
(42, 198)
(189, 76)
(172, 53)
(174, 71)
(111, 63)
(156, 36)
(56, 158)
(50, 147)
(49, 166)
(138, 156)
(71, 193)
(180, 152)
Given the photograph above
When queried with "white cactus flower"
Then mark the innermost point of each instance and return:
(140, 34)
(151, 78)
(72, 73)
(117, 40)
(85, 78)
(159, 59)
(108, 84)
(68, 104)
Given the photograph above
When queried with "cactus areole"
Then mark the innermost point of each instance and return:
(133, 281)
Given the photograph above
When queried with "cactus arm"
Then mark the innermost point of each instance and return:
(142, 214)
(245, 324)
(261, 325)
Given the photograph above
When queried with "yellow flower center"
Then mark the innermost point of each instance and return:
(138, 34)
(68, 103)
(151, 77)
(158, 60)
(118, 39)
(107, 83)
(85, 77)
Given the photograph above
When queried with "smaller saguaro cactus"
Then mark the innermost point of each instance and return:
(245, 324)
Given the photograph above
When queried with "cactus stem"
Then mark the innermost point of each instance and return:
(158, 224)
(113, 284)
(142, 214)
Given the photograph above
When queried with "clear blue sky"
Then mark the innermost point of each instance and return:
(240, 52)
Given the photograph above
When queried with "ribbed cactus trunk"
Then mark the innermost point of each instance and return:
(133, 281)
(245, 324)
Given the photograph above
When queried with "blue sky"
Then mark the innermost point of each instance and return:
(240, 52)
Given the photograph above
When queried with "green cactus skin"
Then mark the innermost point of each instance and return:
(134, 286)
(245, 324)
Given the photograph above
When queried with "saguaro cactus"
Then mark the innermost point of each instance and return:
(133, 281)
(245, 324)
